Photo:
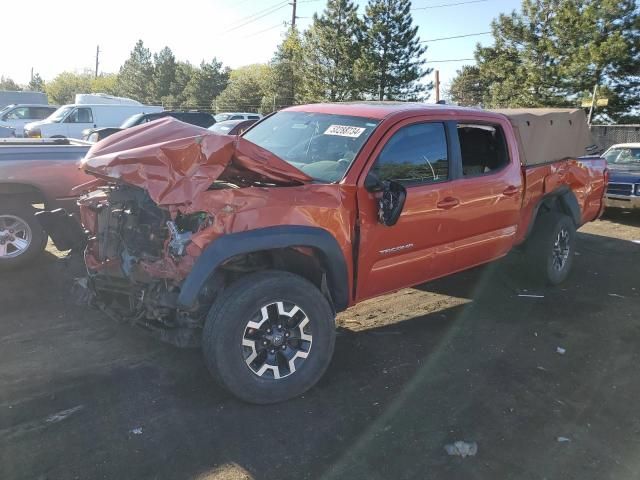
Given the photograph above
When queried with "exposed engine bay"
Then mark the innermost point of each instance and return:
(134, 242)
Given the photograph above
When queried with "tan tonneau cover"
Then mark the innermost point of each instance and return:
(549, 134)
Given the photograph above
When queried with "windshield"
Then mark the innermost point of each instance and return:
(132, 120)
(6, 109)
(321, 145)
(623, 156)
(221, 117)
(59, 114)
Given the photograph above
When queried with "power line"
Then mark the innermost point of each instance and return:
(269, 11)
(455, 36)
(265, 30)
(450, 60)
(449, 4)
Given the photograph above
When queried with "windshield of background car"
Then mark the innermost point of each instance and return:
(131, 121)
(623, 156)
(321, 145)
(221, 117)
(59, 114)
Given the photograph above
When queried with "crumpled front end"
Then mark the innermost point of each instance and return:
(166, 191)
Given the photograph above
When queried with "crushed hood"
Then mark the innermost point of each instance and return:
(175, 161)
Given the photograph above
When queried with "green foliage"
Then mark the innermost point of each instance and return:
(247, 89)
(64, 87)
(206, 83)
(7, 83)
(164, 74)
(331, 48)
(36, 84)
(392, 62)
(105, 83)
(286, 84)
(135, 79)
(468, 87)
(554, 51)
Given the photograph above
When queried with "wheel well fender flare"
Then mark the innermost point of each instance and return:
(562, 199)
(269, 238)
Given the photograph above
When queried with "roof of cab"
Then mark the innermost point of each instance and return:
(378, 110)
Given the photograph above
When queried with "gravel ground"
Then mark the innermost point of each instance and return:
(462, 358)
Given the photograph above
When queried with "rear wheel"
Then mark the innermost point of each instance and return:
(21, 236)
(269, 337)
(550, 249)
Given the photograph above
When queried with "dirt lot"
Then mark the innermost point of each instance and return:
(464, 358)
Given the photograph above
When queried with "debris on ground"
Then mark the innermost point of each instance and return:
(616, 295)
(527, 295)
(136, 431)
(561, 350)
(462, 449)
(563, 439)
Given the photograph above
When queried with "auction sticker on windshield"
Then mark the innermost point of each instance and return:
(344, 131)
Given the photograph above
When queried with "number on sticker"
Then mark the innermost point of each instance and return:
(344, 131)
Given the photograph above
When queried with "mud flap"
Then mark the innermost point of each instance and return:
(64, 230)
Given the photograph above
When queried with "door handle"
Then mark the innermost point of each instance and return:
(448, 202)
(511, 190)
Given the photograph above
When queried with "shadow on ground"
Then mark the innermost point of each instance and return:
(83, 397)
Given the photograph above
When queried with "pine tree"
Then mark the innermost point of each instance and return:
(135, 79)
(553, 53)
(392, 60)
(164, 74)
(331, 48)
(287, 83)
(36, 84)
(206, 83)
(468, 87)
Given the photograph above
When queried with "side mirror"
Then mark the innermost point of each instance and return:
(373, 183)
(391, 202)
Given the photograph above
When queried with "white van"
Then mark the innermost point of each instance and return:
(70, 120)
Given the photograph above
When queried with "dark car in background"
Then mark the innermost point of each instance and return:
(232, 127)
(623, 161)
(200, 119)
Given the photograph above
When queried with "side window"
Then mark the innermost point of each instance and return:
(415, 154)
(80, 115)
(237, 117)
(19, 114)
(253, 117)
(483, 149)
(41, 112)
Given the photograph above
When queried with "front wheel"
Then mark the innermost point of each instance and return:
(269, 337)
(550, 249)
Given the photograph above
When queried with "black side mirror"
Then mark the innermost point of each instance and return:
(391, 202)
(373, 183)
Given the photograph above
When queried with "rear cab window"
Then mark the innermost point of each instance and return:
(483, 149)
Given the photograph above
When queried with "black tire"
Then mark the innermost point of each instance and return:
(226, 330)
(551, 248)
(38, 238)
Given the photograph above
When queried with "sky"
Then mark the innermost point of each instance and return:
(238, 32)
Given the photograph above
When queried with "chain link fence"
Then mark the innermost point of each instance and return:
(606, 135)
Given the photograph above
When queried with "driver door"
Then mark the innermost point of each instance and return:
(420, 245)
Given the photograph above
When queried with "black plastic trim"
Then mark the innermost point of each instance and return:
(569, 200)
(233, 244)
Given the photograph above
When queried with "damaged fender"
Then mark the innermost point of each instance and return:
(269, 238)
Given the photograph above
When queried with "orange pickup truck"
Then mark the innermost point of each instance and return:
(249, 246)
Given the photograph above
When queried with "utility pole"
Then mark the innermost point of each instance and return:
(593, 103)
(32, 74)
(293, 14)
(437, 86)
(97, 59)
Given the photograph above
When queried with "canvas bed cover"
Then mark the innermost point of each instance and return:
(549, 134)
